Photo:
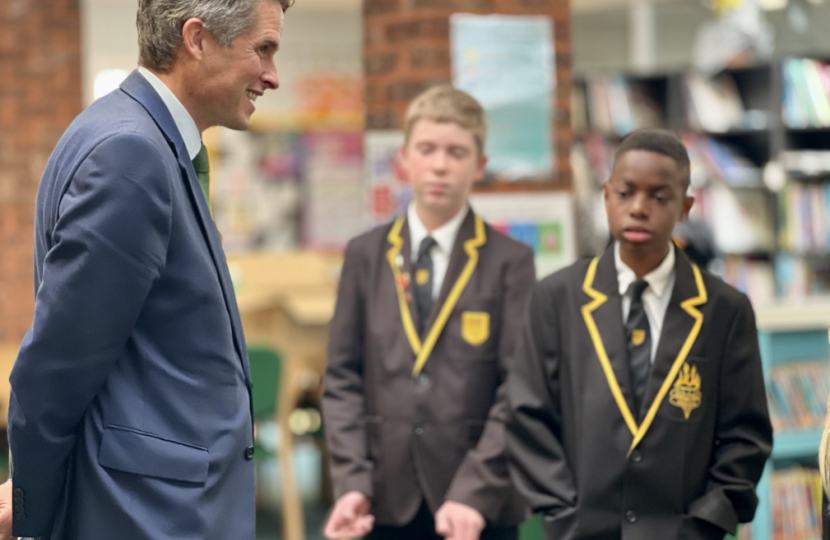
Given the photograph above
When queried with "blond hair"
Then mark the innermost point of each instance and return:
(824, 454)
(447, 104)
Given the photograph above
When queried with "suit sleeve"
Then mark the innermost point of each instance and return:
(538, 464)
(482, 481)
(743, 440)
(343, 399)
(109, 244)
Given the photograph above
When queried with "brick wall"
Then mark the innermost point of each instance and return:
(40, 94)
(407, 49)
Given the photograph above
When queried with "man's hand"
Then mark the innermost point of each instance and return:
(457, 521)
(6, 510)
(349, 519)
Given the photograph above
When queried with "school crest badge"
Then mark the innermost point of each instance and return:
(421, 276)
(686, 394)
(638, 336)
(475, 327)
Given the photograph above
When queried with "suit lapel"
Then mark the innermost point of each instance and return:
(681, 328)
(142, 91)
(469, 261)
(680, 331)
(398, 257)
(676, 327)
(603, 318)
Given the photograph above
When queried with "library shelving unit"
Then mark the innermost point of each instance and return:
(787, 334)
(741, 126)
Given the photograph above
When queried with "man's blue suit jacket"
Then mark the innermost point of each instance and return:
(130, 415)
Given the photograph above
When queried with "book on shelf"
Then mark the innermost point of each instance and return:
(796, 504)
(755, 278)
(721, 161)
(740, 220)
(797, 395)
(804, 217)
(806, 93)
(617, 106)
(798, 279)
(713, 104)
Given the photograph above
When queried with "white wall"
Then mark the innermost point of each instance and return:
(318, 34)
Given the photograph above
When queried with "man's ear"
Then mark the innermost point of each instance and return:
(193, 38)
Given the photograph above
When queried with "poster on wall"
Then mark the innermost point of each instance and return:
(544, 221)
(333, 190)
(508, 63)
(388, 194)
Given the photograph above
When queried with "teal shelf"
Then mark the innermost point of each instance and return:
(791, 339)
(797, 444)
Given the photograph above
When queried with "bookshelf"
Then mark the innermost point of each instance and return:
(761, 176)
(741, 127)
(789, 334)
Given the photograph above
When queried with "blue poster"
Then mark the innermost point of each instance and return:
(508, 63)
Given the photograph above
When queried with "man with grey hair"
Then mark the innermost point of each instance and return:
(130, 412)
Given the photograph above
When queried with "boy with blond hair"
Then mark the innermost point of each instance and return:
(426, 318)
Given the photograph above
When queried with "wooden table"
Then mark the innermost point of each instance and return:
(286, 302)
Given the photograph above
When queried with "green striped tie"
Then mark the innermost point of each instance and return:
(202, 166)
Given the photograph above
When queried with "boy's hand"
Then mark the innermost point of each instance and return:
(457, 521)
(350, 517)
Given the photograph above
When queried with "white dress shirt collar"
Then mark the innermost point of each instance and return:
(184, 122)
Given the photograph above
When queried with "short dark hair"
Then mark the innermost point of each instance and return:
(659, 141)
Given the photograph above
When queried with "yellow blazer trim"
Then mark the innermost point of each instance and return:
(689, 306)
(395, 239)
(423, 351)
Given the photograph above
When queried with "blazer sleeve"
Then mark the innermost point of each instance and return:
(538, 464)
(482, 480)
(743, 438)
(109, 245)
(343, 398)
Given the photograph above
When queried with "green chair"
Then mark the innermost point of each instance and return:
(265, 365)
(532, 529)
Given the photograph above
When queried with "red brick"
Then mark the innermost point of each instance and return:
(40, 80)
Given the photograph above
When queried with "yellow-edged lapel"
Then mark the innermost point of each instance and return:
(463, 262)
(680, 329)
(399, 258)
(603, 319)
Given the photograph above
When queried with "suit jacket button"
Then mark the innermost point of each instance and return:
(631, 517)
(419, 430)
(249, 453)
(18, 492)
(636, 456)
(422, 379)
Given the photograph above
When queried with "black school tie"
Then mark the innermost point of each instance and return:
(423, 280)
(638, 334)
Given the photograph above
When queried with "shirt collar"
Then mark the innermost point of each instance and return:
(658, 279)
(184, 122)
(444, 235)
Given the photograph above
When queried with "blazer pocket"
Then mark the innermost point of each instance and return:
(136, 452)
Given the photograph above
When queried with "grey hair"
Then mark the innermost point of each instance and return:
(160, 23)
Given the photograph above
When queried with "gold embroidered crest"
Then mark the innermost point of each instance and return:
(421, 276)
(475, 327)
(686, 392)
(638, 336)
